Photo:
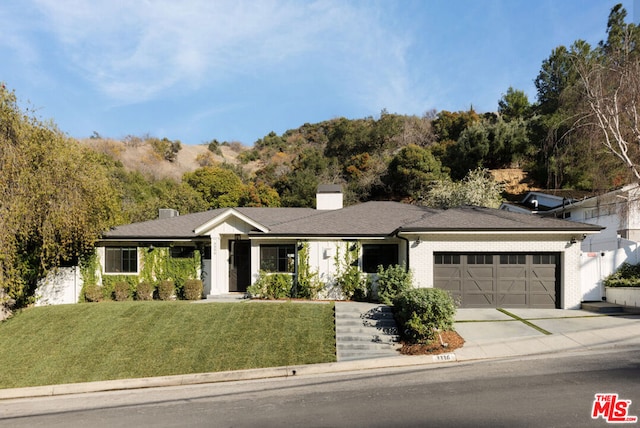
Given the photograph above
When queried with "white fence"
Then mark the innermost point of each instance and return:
(595, 266)
(59, 287)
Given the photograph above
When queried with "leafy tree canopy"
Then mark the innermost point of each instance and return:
(478, 188)
(219, 187)
(56, 198)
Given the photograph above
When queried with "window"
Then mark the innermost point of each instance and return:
(544, 259)
(277, 258)
(480, 259)
(121, 260)
(447, 259)
(512, 259)
(181, 252)
(374, 255)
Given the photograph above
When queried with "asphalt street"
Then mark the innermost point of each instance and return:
(524, 391)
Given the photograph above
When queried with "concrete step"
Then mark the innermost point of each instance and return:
(362, 307)
(365, 330)
(602, 307)
(352, 356)
(360, 330)
(366, 337)
(365, 322)
(375, 347)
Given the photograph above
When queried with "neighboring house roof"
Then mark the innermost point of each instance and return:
(561, 200)
(369, 219)
(594, 200)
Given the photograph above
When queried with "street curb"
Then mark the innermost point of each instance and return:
(228, 376)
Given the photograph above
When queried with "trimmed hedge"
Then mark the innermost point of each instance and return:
(144, 291)
(192, 289)
(421, 312)
(92, 293)
(121, 291)
(166, 290)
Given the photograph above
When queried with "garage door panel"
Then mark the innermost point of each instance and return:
(512, 285)
(542, 301)
(479, 300)
(507, 279)
(473, 285)
(513, 300)
(543, 287)
(448, 278)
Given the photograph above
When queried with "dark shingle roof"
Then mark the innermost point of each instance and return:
(470, 218)
(375, 218)
(182, 227)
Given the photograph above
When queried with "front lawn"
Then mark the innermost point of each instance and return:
(117, 340)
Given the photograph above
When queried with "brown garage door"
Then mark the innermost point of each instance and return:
(499, 280)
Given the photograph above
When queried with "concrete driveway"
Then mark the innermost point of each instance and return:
(491, 333)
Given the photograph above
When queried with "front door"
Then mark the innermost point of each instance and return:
(239, 265)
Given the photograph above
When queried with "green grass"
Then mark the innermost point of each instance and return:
(117, 340)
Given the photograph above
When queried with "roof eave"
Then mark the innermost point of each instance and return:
(545, 231)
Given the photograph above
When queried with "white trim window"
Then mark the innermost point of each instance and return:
(121, 260)
(277, 257)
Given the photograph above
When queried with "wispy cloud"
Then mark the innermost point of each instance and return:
(134, 51)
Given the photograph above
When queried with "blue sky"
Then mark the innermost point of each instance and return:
(195, 70)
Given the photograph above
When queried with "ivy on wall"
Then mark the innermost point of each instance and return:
(156, 264)
(351, 281)
(308, 283)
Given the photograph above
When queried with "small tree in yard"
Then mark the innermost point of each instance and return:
(422, 312)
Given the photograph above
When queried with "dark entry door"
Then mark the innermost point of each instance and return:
(239, 265)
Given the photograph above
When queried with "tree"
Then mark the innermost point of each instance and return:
(478, 188)
(165, 148)
(449, 126)
(219, 187)
(553, 78)
(259, 195)
(610, 84)
(56, 198)
(413, 170)
(514, 105)
(560, 150)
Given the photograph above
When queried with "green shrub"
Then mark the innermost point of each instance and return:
(144, 291)
(271, 286)
(627, 275)
(421, 312)
(92, 293)
(192, 289)
(392, 281)
(166, 290)
(121, 291)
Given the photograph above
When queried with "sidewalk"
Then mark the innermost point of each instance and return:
(488, 333)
